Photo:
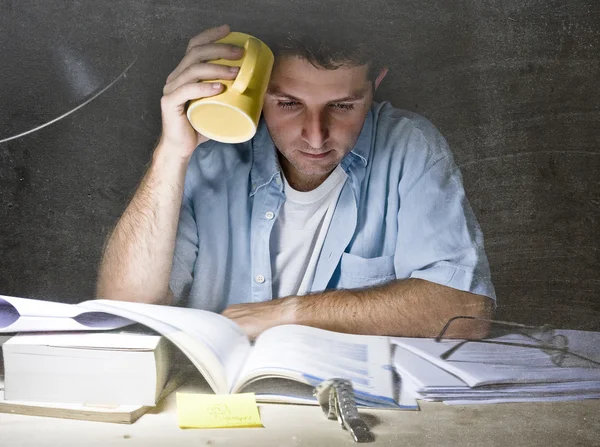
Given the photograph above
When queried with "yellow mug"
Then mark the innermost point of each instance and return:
(232, 116)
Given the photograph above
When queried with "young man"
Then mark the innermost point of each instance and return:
(340, 213)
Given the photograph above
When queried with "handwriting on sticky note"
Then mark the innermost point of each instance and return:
(217, 411)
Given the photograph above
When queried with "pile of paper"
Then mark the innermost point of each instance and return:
(491, 372)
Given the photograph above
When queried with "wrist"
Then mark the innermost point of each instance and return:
(291, 310)
(166, 154)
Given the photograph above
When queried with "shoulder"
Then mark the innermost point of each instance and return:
(407, 134)
(214, 163)
(211, 152)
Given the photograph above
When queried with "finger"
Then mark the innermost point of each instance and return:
(200, 72)
(208, 36)
(231, 310)
(242, 306)
(206, 53)
(251, 327)
(187, 92)
(252, 333)
(235, 313)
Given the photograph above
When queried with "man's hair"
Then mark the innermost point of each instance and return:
(326, 49)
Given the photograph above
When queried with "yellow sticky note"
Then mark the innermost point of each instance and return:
(217, 411)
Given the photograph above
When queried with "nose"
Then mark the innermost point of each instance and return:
(314, 130)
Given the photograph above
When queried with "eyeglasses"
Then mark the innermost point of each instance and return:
(555, 345)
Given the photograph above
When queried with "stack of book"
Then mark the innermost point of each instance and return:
(118, 369)
(109, 376)
(510, 368)
(282, 365)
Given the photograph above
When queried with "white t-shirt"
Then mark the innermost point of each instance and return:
(298, 234)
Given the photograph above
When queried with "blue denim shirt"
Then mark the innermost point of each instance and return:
(401, 214)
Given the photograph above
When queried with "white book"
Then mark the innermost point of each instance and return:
(124, 414)
(86, 368)
(220, 350)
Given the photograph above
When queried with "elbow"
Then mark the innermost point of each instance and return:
(132, 294)
(108, 288)
(113, 285)
(481, 330)
(480, 308)
(485, 311)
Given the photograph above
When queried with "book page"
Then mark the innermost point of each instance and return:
(311, 355)
(280, 390)
(423, 373)
(408, 395)
(215, 344)
(28, 315)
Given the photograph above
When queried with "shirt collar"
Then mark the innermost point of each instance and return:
(265, 165)
(362, 147)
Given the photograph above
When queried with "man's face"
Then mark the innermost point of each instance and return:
(314, 117)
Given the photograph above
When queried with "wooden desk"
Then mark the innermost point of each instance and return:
(547, 424)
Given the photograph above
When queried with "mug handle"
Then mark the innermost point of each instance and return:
(252, 47)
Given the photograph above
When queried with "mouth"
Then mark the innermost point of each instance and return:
(315, 156)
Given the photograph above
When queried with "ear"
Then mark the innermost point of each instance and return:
(382, 74)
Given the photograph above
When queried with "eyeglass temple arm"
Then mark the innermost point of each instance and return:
(470, 317)
(447, 325)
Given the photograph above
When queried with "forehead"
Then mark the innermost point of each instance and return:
(297, 77)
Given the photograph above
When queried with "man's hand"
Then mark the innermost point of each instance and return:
(255, 318)
(401, 308)
(137, 260)
(183, 85)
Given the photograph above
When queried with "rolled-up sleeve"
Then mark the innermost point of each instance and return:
(185, 254)
(439, 238)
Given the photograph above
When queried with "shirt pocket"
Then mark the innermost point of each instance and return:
(357, 272)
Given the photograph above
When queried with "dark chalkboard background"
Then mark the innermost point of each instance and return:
(512, 84)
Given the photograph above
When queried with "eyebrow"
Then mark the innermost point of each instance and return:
(275, 91)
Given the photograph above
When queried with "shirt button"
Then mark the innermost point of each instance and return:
(259, 279)
(269, 215)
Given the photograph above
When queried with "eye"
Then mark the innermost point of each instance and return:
(287, 104)
(293, 104)
(343, 107)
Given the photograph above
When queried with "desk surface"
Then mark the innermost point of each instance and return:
(540, 424)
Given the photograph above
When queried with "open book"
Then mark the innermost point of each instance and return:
(283, 365)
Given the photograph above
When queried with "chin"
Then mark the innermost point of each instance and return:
(317, 170)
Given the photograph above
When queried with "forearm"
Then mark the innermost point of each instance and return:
(408, 308)
(138, 256)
